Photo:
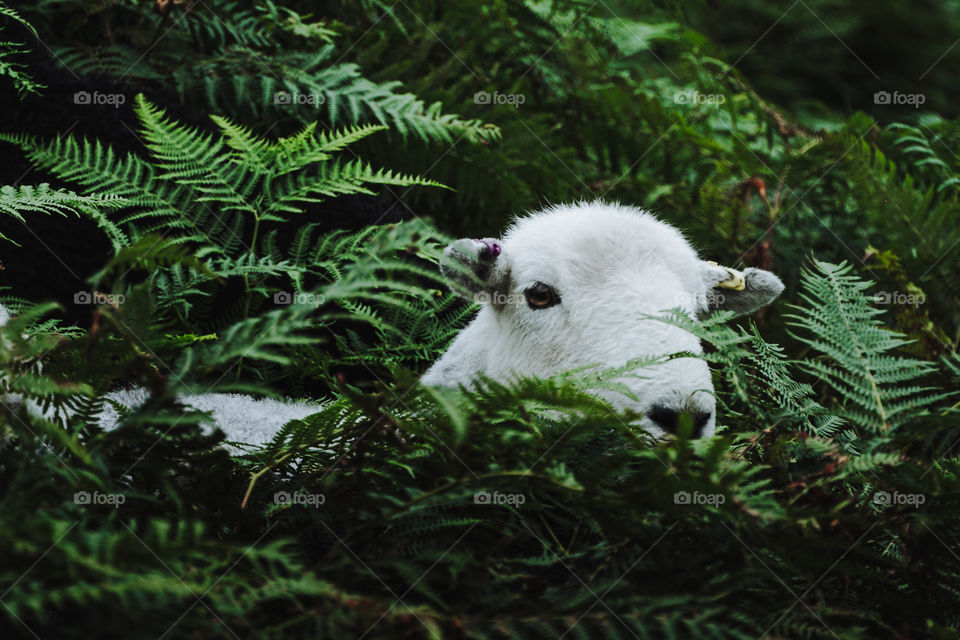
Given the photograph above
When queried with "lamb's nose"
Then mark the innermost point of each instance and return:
(669, 419)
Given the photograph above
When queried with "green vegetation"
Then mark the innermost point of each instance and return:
(828, 506)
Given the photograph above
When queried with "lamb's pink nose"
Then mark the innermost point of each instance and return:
(491, 248)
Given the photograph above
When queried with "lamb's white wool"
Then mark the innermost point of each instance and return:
(570, 287)
(242, 418)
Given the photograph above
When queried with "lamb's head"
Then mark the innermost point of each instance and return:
(573, 286)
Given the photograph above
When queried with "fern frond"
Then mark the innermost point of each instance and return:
(880, 390)
(15, 201)
(196, 159)
(10, 68)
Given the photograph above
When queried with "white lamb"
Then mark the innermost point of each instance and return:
(569, 287)
(573, 286)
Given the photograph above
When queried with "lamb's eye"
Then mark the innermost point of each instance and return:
(541, 296)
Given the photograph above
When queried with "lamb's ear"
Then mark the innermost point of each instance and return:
(742, 292)
(468, 264)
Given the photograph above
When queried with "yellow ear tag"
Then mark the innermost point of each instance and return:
(736, 280)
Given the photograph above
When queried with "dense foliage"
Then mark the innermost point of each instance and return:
(827, 506)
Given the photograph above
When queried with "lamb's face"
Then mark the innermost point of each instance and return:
(574, 287)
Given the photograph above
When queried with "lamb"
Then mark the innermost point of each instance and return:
(574, 286)
(569, 287)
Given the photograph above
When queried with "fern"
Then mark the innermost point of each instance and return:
(9, 66)
(219, 195)
(912, 142)
(15, 201)
(205, 189)
(245, 60)
(880, 390)
(203, 211)
(795, 401)
(304, 84)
